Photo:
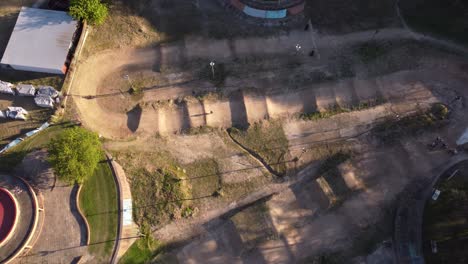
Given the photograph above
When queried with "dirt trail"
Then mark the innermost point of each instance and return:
(114, 124)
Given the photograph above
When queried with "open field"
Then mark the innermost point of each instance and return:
(98, 200)
(446, 220)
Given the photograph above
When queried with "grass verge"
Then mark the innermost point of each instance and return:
(98, 200)
(266, 139)
(391, 130)
(142, 251)
(14, 156)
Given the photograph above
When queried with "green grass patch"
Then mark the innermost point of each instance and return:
(98, 200)
(336, 110)
(447, 18)
(267, 140)
(390, 130)
(142, 251)
(204, 177)
(14, 156)
(158, 196)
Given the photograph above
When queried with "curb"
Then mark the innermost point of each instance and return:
(119, 209)
(80, 212)
(33, 228)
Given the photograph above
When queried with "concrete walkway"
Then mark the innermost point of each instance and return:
(63, 236)
(128, 230)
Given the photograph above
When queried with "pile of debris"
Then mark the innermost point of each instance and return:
(44, 96)
(6, 88)
(12, 112)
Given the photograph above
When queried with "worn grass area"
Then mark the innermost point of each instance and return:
(446, 221)
(266, 139)
(254, 225)
(447, 18)
(159, 191)
(204, 177)
(121, 29)
(142, 251)
(13, 157)
(98, 200)
(391, 130)
(336, 110)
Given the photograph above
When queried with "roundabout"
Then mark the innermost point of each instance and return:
(19, 215)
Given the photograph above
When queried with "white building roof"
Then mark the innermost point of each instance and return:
(41, 39)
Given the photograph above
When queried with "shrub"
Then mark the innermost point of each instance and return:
(93, 11)
(75, 154)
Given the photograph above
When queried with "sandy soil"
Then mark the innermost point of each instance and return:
(102, 102)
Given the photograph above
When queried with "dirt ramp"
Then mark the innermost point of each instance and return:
(173, 119)
(284, 104)
(149, 120)
(256, 107)
(196, 113)
(345, 95)
(325, 98)
(219, 113)
(366, 90)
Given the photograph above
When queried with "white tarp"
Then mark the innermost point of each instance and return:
(26, 90)
(16, 113)
(47, 91)
(2, 114)
(463, 138)
(6, 87)
(44, 101)
(11, 144)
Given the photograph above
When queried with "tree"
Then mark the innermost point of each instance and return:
(75, 154)
(93, 11)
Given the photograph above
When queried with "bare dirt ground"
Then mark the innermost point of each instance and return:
(261, 220)
(110, 100)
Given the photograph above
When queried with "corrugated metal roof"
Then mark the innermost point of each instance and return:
(41, 39)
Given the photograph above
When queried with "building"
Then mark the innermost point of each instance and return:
(269, 9)
(40, 41)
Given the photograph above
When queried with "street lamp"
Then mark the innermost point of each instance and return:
(298, 47)
(212, 64)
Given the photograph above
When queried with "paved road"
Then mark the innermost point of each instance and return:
(409, 218)
(63, 236)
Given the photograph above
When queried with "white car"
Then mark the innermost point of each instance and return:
(435, 194)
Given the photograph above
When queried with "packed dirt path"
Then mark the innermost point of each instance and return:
(92, 74)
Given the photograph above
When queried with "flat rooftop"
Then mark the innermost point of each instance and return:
(41, 39)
